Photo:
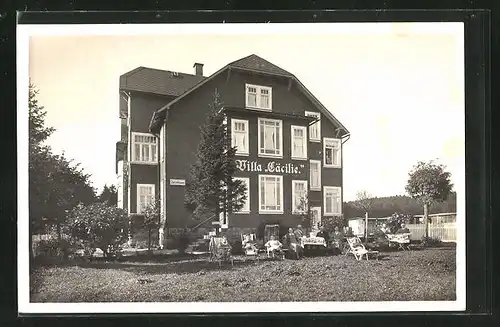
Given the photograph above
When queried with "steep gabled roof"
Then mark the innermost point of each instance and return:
(158, 81)
(256, 64)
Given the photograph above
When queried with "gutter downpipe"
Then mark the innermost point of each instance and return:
(343, 139)
(158, 162)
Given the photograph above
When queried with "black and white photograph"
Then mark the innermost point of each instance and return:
(241, 167)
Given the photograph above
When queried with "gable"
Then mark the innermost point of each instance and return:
(255, 64)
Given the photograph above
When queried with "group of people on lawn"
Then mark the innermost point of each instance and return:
(292, 241)
(273, 245)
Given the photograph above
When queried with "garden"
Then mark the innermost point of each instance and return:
(422, 274)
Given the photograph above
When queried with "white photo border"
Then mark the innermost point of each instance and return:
(24, 32)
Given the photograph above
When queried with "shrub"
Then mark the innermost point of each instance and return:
(395, 221)
(53, 248)
(329, 223)
(98, 225)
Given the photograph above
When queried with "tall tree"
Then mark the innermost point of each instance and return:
(429, 183)
(211, 188)
(109, 194)
(56, 183)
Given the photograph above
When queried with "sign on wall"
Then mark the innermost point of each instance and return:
(177, 182)
(271, 167)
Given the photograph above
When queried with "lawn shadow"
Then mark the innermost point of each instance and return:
(175, 266)
(384, 257)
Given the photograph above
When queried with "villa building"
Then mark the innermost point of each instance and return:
(288, 144)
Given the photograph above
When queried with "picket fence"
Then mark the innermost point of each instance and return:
(444, 232)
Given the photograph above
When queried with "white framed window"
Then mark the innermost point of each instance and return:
(258, 97)
(331, 152)
(144, 148)
(315, 175)
(246, 206)
(332, 200)
(145, 196)
(299, 142)
(270, 194)
(270, 137)
(239, 136)
(315, 217)
(315, 129)
(299, 194)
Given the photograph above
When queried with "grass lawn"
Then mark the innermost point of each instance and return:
(419, 275)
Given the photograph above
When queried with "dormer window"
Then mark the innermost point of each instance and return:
(258, 97)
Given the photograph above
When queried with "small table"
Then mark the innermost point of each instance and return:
(312, 242)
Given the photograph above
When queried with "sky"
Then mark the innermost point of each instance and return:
(398, 88)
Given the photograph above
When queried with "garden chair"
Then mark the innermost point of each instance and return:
(271, 230)
(248, 242)
(220, 250)
(273, 251)
(357, 249)
(280, 253)
(401, 240)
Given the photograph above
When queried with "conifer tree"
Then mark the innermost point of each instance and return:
(211, 188)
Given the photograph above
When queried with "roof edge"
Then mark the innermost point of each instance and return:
(311, 96)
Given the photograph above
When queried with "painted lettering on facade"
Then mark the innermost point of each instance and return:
(271, 167)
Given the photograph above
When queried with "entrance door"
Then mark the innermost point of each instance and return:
(315, 218)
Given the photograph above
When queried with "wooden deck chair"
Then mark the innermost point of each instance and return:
(358, 250)
(248, 243)
(271, 230)
(401, 240)
(220, 250)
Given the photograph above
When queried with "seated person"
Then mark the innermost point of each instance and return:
(248, 244)
(403, 229)
(337, 234)
(337, 238)
(380, 236)
(324, 234)
(384, 229)
(299, 232)
(293, 243)
(273, 245)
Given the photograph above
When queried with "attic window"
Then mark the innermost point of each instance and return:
(258, 97)
(174, 74)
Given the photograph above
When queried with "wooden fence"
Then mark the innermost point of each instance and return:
(446, 232)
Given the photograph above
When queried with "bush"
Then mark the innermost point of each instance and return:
(53, 248)
(395, 221)
(98, 225)
(329, 223)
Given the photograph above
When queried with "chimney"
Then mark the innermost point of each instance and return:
(198, 69)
